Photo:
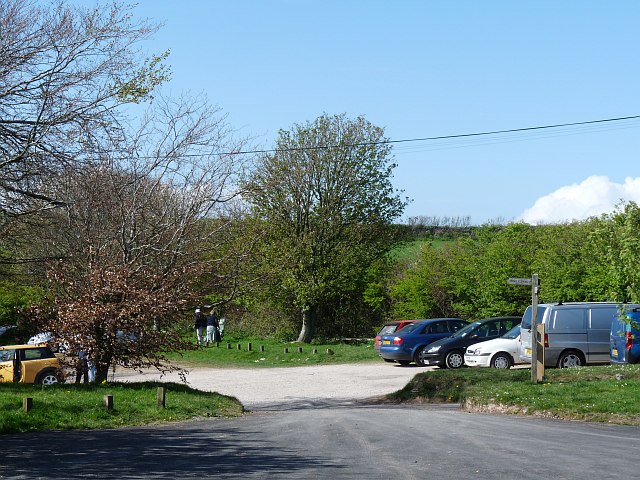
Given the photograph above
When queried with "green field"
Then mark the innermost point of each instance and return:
(234, 352)
(82, 406)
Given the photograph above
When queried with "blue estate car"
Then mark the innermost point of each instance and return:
(625, 338)
(407, 345)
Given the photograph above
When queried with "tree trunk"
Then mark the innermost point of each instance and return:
(102, 371)
(308, 324)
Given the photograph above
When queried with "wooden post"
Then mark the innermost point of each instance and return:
(228, 346)
(108, 402)
(286, 350)
(299, 349)
(262, 348)
(27, 404)
(161, 396)
(239, 346)
(537, 344)
(250, 346)
(329, 351)
(315, 350)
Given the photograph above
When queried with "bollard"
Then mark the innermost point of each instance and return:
(286, 350)
(250, 347)
(108, 402)
(161, 396)
(299, 349)
(262, 348)
(228, 346)
(239, 346)
(27, 404)
(315, 350)
(329, 351)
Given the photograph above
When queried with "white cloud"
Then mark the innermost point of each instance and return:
(594, 196)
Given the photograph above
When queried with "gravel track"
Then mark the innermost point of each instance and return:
(278, 388)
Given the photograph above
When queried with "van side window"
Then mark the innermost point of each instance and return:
(601, 318)
(569, 319)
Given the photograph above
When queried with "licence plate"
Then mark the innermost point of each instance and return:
(614, 352)
(527, 352)
(386, 342)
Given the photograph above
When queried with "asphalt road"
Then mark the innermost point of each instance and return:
(334, 442)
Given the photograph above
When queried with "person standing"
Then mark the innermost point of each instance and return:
(213, 334)
(82, 368)
(221, 322)
(200, 324)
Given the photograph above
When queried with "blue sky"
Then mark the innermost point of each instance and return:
(434, 68)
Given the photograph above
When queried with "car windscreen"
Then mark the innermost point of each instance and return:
(464, 330)
(526, 318)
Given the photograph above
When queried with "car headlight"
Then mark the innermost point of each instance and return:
(477, 351)
(433, 349)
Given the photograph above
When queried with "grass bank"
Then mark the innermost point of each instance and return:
(602, 394)
(81, 406)
(235, 352)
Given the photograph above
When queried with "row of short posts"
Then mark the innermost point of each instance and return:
(161, 398)
(286, 349)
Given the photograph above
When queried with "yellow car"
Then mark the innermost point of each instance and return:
(29, 364)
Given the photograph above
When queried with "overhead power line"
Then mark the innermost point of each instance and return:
(441, 137)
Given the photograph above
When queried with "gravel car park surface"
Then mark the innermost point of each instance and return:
(266, 388)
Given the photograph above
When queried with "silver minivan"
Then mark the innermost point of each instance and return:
(575, 333)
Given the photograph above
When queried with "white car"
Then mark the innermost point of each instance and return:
(498, 353)
(46, 338)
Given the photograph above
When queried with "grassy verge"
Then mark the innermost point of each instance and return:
(67, 407)
(271, 353)
(602, 394)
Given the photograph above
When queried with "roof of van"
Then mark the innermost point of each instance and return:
(574, 304)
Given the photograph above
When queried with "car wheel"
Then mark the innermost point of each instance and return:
(404, 362)
(419, 357)
(48, 378)
(501, 360)
(570, 359)
(454, 359)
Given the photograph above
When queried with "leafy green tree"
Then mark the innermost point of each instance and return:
(566, 263)
(420, 292)
(616, 243)
(328, 205)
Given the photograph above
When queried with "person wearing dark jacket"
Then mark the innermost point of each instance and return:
(213, 332)
(200, 324)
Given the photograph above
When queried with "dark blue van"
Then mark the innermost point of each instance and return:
(625, 338)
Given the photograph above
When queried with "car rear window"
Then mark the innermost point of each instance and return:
(388, 329)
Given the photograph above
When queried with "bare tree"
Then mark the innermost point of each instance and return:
(64, 71)
(143, 234)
